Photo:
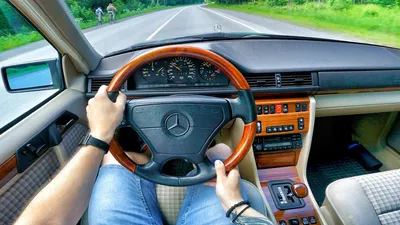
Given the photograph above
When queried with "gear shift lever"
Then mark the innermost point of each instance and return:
(300, 190)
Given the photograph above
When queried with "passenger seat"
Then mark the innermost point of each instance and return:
(368, 200)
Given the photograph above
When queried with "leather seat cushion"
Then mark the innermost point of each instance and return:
(367, 199)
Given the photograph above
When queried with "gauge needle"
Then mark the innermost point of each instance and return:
(160, 69)
(176, 66)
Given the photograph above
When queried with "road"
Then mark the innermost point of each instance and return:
(181, 21)
(41, 77)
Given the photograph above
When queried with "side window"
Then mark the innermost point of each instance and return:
(30, 67)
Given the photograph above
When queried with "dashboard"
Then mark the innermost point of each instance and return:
(271, 67)
(177, 72)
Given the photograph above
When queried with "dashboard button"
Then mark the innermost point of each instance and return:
(259, 127)
(285, 108)
(280, 129)
(294, 222)
(269, 129)
(305, 221)
(259, 110)
(285, 128)
(282, 222)
(272, 109)
(278, 108)
(259, 147)
(291, 127)
(274, 129)
(312, 220)
(297, 107)
(300, 122)
(266, 109)
(304, 107)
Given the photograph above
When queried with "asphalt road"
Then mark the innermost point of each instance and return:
(36, 78)
(176, 22)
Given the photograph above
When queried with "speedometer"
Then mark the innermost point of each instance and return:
(208, 72)
(181, 70)
(154, 72)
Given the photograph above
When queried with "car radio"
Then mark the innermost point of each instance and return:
(280, 142)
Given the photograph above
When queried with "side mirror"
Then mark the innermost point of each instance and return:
(32, 76)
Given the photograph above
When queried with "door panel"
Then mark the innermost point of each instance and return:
(16, 195)
(71, 139)
(19, 188)
(69, 100)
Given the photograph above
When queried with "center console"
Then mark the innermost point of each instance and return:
(281, 122)
(282, 125)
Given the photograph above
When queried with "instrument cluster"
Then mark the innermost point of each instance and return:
(177, 72)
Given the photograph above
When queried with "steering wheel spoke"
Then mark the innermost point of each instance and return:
(205, 172)
(243, 106)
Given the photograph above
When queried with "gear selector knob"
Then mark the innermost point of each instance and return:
(300, 190)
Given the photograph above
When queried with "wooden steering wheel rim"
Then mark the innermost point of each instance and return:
(234, 75)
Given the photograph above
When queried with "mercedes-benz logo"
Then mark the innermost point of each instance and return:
(177, 124)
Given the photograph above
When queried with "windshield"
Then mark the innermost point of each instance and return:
(118, 25)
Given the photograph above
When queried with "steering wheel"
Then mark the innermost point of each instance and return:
(183, 126)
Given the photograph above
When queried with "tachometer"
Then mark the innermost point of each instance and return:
(181, 70)
(154, 72)
(208, 72)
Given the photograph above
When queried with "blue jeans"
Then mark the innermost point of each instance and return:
(121, 197)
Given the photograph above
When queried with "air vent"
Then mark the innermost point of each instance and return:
(279, 79)
(296, 79)
(97, 82)
(261, 80)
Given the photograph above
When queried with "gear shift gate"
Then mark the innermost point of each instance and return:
(283, 195)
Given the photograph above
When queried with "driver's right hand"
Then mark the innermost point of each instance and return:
(227, 186)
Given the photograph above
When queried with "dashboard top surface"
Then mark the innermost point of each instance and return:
(271, 56)
(305, 66)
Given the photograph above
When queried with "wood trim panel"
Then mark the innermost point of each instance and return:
(281, 173)
(277, 158)
(8, 170)
(281, 119)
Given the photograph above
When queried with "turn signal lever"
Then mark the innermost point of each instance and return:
(300, 190)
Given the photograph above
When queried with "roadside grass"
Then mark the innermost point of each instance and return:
(371, 23)
(12, 41)
(23, 70)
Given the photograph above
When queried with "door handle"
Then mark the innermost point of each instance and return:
(38, 150)
(48, 137)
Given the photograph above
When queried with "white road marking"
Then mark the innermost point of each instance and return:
(238, 22)
(158, 30)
